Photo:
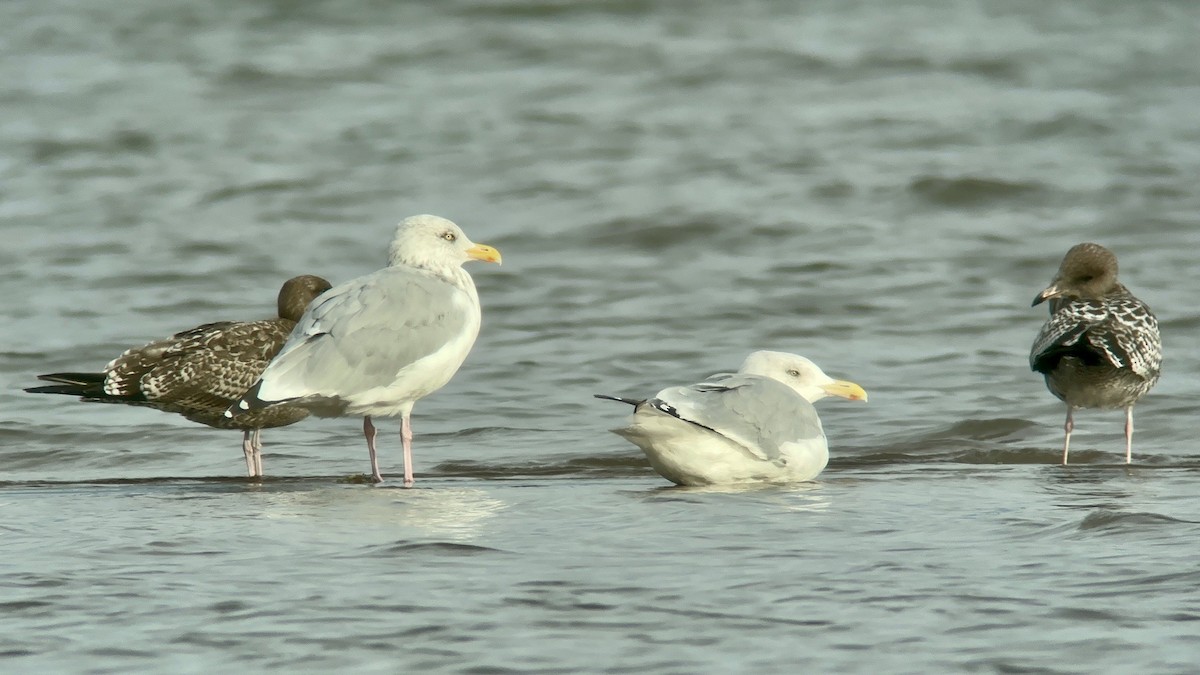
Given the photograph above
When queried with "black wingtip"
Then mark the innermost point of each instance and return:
(85, 385)
(74, 378)
(631, 401)
(68, 389)
(249, 401)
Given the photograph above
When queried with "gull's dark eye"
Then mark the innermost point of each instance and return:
(449, 236)
(794, 373)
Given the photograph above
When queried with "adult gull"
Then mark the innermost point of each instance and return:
(375, 345)
(198, 373)
(758, 424)
(1100, 348)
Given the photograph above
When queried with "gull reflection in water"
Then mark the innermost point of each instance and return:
(456, 513)
(805, 496)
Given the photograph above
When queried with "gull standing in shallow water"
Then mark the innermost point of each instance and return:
(754, 425)
(375, 345)
(198, 373)
(1101, 347)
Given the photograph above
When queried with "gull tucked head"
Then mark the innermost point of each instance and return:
(297, 293)
(801, 375)
(435, 243)
(1087, 272)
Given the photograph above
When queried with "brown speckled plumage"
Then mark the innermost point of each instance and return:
(1101, 347)
(198, 373)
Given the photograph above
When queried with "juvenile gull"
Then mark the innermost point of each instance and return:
(754, 425)
(198, 373)
(1100, 347)
(375, 345)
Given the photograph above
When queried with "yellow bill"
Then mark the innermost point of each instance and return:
(844, 389)
(485, 253)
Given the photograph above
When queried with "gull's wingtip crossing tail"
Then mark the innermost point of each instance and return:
(631, 401)
(249, 401)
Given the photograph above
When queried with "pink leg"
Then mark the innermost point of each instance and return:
(1129, 435)
(248, 451)
(256, 440)
(1068, 427)
(369, 432)
(406, 438)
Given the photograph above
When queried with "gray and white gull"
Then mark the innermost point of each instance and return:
(1101, 347)
(375, 345)
(198, 373)
(758, 424)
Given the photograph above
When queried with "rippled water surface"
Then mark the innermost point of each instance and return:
(882, 188)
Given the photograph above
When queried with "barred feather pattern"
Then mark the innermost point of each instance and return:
(1099, 352)
(200, 372)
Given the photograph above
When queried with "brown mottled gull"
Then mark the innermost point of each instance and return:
(754, 425)
(375, 345)
(198, 373)
(1101, 347)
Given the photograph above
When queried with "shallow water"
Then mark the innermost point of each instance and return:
(673, 185)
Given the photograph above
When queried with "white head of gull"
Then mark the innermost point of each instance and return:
(754, 425)
(375, 345)
(1101, 347)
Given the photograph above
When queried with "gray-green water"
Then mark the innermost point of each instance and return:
(673, 185)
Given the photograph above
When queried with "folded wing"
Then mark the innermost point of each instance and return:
(757, 413)
(359, 335)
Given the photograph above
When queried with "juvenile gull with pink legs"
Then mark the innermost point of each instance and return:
(1100, 348)
(197, 373)
(375, 345)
